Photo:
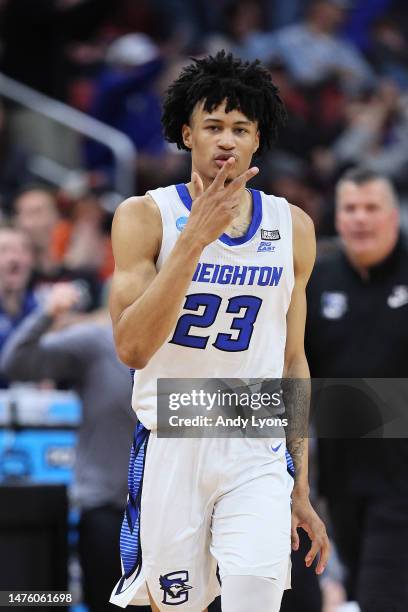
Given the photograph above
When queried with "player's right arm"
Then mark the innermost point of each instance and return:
(144, 303)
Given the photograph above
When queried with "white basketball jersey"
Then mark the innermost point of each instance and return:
(232, 322)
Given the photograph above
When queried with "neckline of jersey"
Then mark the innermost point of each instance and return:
(186, 198)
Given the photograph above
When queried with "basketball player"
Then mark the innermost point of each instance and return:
(210, 282)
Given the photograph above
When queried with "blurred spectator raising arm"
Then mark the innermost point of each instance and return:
(83, 355)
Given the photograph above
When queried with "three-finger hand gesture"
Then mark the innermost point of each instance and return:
(213, 209)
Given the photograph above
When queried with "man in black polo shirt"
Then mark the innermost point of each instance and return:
(357, 326)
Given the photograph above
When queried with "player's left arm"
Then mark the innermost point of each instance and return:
(297, 396)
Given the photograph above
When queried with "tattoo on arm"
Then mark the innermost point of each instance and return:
(296, 398)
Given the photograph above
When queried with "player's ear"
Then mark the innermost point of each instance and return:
(186, 135)
(257, 139)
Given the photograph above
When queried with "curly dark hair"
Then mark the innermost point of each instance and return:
(246, 86)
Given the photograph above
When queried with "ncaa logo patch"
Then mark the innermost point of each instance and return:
(265, 246)
(180, 223)
(175, 588)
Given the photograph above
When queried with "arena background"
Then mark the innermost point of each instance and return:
(81, 86)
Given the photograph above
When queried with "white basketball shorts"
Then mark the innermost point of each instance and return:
(202, 509)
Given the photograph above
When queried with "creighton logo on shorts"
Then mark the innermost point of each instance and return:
(175, 589)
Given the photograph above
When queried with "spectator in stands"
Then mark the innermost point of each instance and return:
(124, 96)
(86, 242)
(241, 21)
(357, 326)
(36, 212)
(83, 355)
(313, 51)
(127, 97)
(375, 135)
(17, 301)
(389, 51)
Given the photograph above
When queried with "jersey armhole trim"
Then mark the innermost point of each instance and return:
(159, 259)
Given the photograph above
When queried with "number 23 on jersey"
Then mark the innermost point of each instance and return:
(246, 307)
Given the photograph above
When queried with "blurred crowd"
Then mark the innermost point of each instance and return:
(341, 67)
(342, 70)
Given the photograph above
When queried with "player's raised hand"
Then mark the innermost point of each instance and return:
(198, 185)
(213, 209)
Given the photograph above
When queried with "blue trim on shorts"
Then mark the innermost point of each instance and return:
(130, 547)
(289, 463)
